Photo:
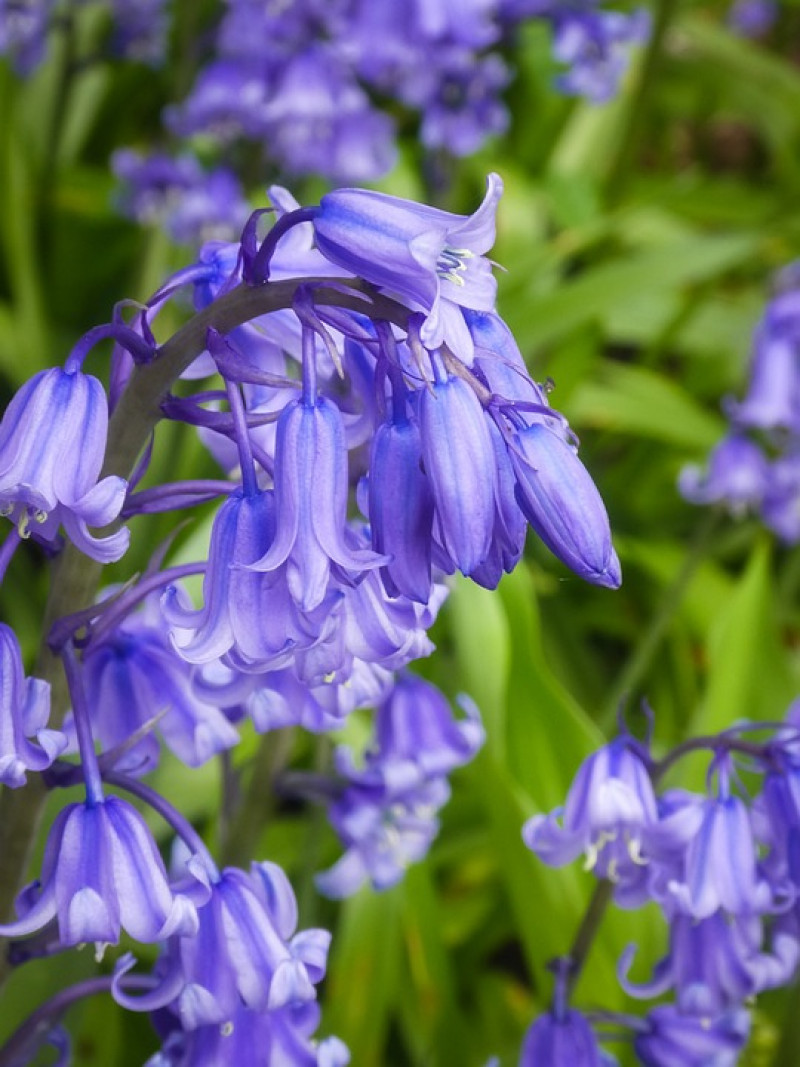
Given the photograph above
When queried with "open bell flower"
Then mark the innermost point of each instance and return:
(431, 260)
(101, 874)
(52, 446)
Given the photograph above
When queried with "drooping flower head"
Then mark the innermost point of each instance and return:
(609, 810)
(561, 1039)
(52, 446)
(102, 874)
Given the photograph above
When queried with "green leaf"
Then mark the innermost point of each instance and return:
(749, 676)
(597, 294)
(642, 402)
(363, 973)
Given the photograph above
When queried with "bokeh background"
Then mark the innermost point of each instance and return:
(637, 240)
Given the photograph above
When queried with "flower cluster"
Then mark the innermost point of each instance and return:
(377, 431)
(756, 467)
(139, 30)
(720, 866)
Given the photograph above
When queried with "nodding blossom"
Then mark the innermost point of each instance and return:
(52, 447)
(103, 874)
(431, 260)
(609, 811)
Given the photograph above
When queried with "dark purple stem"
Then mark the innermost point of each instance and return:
(23, 1044)
(181, 825)
(258, 271)
(83, 726)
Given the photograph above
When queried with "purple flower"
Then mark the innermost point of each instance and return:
(738, 475)
(561, 1040)
(180, 196)
(459, 459)
(382, 834)
(609, 814)
(594, 44)
(321, 121)
(780, 510)
(246, 950)
(24, 711)
(23, 32)
(140, 30)
(430, 259)
(52, 446)
(561, 502)
(773, 395)
(716, 963)
(459, 99)
(675, 1040)
(752, 18)
(101, 874)
(133, 675)
(401, 509)
(416, 738)
(311, 503)
(247, 615)
(720, 868)
(282, 1036)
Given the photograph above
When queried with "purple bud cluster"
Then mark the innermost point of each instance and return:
(720, 866)
(756, 466)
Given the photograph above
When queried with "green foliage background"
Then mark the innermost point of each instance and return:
(637, 242)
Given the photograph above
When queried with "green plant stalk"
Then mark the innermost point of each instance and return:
(637, 666)
(76, 578)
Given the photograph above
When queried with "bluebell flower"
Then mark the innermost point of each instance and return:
(382, 835)
(595, 45)
(132, 675)
(52, 446)
(431, 260)
(311, 503)
(773, 394)
(246, 951)
(322, 122)
(24, 711)
(23, 32)
(102, 874)
(282, 1037)
(721, 861)
(247, 615)
(561, 502)
(752, 18)
(417, 737)
(459, 97)
(459, 459)
(178, 195)
(230, 97)
(715, 964)
(672, 1039)
(779, 509)
(401, 509)
(609, 814)
(140, 30)
(390, 631)
(738, 476)
(563, 1039)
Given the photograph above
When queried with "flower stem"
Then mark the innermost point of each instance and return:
(590, 924)
(637, 666)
